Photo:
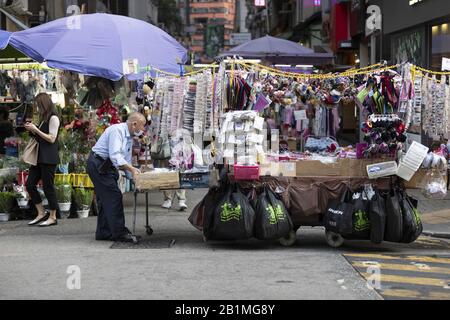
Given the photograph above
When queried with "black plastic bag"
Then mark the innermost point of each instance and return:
(361, 218)
(394, 218)
(272, 219)
(377, 216)
(233, 217)
(339, 215)
(412, 225)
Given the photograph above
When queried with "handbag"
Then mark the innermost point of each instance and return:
(31, 152)
(161, 149)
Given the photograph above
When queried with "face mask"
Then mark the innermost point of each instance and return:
(139, 133)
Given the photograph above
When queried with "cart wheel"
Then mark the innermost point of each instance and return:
(149, 231)
(334, 240)
(290, 240)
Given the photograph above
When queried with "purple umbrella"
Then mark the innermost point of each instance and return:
(99, 44)
(278, 50)
(4, 39)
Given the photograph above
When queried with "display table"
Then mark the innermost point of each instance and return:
(307, 198)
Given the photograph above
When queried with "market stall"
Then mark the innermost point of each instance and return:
(279, 129)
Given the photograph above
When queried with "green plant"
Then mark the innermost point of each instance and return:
(6, 201)
(63, 193)
(83, 197)
(67, 145)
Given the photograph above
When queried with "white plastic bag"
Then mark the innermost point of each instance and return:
(435, 184)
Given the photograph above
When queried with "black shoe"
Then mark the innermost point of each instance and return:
(128, 238)
(97, 238)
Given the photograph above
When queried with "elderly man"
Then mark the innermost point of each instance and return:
(112, 152)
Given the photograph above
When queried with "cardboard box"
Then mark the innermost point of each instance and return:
(315, 168)
(288, 169)
(154, 180)
(271, 169)
(341, 168)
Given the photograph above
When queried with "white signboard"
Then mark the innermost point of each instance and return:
(445, 64)
(373, 22)
(130, 66)
(240, 38)
(260, 3)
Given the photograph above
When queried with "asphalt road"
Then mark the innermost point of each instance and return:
(36, 264)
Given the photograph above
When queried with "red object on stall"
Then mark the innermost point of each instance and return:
(108, 109)
(246, 173)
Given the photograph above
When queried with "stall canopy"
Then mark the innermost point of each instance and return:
(276, 50)
(4, 39)
(100, 45)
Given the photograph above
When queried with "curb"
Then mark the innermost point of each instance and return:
(443, 235)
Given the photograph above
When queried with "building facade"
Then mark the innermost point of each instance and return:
(420, 35)
(211, 23)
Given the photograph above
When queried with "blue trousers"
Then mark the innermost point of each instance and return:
(111, 218)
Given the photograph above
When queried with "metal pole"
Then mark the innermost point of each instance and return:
(373, 52)
(267, 17)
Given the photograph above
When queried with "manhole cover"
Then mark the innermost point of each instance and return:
(153, 243)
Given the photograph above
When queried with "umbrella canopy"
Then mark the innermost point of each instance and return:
(278, 50)
(4, 39)
(99, 44)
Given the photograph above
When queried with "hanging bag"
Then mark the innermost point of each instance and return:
(412, 224)
(161, 149)
(377, 216)
(360, 220)
(272, 219)
(394, 219)
(338, 217)
(233, 217)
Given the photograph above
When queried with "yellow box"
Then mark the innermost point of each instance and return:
(81, 180)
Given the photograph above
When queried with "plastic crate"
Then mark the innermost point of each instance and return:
(63, 179)
(81, 180)
(246, 173)
(194, 180)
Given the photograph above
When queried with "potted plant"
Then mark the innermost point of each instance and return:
(6, 204)
(83, 198)
(64, 196)
(21, 197)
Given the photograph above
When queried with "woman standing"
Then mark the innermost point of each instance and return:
(47, 137)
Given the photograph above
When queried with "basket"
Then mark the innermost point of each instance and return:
(194, 180)
(246, 173)
(81, 180)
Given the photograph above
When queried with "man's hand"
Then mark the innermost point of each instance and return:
(135, 172)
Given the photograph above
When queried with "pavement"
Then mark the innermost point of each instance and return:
(65, 262)
(435, 214)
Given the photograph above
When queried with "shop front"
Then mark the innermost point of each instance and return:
(419, 34)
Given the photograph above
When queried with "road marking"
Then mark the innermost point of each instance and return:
(404, 267)
(408, 277)
(390, 257)
(410, 280)
(414, 294)
(400, 293)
